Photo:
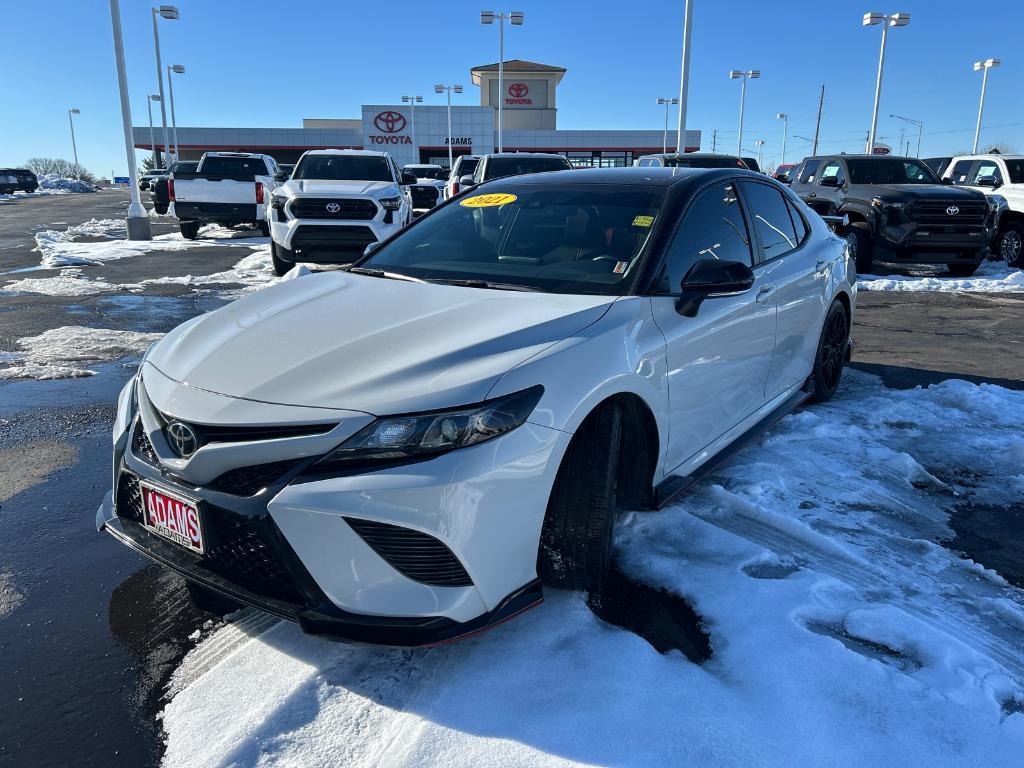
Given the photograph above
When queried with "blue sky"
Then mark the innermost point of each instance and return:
(271, 63)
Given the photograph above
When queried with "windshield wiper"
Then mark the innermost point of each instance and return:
(477, 283)
(382, 273)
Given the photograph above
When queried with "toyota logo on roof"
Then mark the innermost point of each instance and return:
(389, 122)
(953, 210)
(518, 90)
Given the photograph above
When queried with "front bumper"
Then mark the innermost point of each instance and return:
(922, 243)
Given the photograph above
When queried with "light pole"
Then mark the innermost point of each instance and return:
(152, 139)
(785, 132)
(176, 69)
(137, 221)
(516, 19)
(759, 143)
(169, 12)
(684, 77)
(872, 19)
(984, 66)
(448, 89)
(920, 129)
(413, 100)
(664, 137)
(74, 147)
(744, 76)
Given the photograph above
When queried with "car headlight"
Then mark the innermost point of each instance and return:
(996, 202)
(391, 203)
(423, 435)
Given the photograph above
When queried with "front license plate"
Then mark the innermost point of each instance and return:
(172, 516)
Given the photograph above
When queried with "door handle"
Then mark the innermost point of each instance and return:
(764, 293)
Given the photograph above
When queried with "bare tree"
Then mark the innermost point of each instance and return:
(43, 166)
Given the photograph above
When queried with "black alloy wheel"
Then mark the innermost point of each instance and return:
(1011, 244)
(831, 356)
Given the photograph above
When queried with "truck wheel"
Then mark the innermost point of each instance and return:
(576, 539)
(862, 247)
(283, 259)
(1011, 244)
(189, 229)
(962, 270)
(831, 354)
(160, 208)
(265, 228)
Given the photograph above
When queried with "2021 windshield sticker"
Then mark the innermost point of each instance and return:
(643, 221)
(487, 201)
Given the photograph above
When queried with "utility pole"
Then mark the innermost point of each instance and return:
(714, 140)
(684, 78)
(817, 125)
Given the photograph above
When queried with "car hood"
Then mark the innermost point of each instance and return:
(380, 346)
(334, 187)
(919, 192)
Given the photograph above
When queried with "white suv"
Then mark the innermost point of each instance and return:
(1000, 177)
(485, 390)
(335, 204)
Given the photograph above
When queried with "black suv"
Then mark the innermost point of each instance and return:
(13, 179)
(899, 210)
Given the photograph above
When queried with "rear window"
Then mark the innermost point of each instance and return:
(499, 167)
(233, 166)
(343, 168)
(467, 165)
(703, 162)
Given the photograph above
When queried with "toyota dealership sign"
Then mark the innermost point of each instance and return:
(391, 125)
(518, 95)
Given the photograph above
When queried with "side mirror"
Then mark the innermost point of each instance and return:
(784, 178)
(408, 178)
(466, 182)
(711, 278)
(988, 181)
(281, 176)
(830, 181)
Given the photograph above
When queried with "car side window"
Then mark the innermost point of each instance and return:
(961, 172)
(808, 170)
(987, 168)
(771, 219)
(799, 224)
(713, 227)
(833, 169)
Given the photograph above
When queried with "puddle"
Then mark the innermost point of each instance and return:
(664, 620)
(992, 535)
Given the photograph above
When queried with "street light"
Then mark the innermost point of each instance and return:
(737, 74)
(137, 222)
(516, 19)
(759, 143)
(170, 13)
(413, 100)
(176, 69)
(149, 108)
(448, 89)
(664, 138)
(920, 129)
(684, 77)
(74, 147)
(886, 20)
(984, 66)
(785, 131)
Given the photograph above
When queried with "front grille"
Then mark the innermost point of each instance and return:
(348, 209)
(142, 447)
(934, 212)
(212, 433)
(424, 197)
(340, 237)
(239, 551)
(246, 481)
(413, 554)
(128, 503)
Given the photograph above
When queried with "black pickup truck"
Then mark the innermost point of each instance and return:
(899, 210)
(158, 191)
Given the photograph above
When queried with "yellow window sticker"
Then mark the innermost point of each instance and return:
(487, 201)
(643, 221)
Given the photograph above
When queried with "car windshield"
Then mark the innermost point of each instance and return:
(890, 171)
(343, 168)
(233, 166)
(1016, 170)
(500, 167)
(565, 239)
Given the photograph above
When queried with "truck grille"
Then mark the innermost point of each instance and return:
(936, 212)
(348, 209)
(424, 197)
(339, 237)
(413, 554)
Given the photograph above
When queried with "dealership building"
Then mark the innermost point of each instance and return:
(419, 134)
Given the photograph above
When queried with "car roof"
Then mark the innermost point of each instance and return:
(630, 176)
(987, 156)
(524, 154)
(673, 155)
(361, 152)
(863, 156)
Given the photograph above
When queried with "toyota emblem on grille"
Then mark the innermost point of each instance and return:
(953, 210)
(333, 207)
(182, 438)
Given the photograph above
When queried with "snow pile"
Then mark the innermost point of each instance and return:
(61, 353)
(53, 184)
(991, 277)
(70, 282)
(10, 597)
(254, 272)
(843, 633)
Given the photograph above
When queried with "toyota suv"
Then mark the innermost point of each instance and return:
(1001, 178)
(899, 210)
(502, 164)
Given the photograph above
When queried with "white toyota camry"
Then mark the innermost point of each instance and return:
(407, 451)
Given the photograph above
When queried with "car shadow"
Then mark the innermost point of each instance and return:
(902, 377)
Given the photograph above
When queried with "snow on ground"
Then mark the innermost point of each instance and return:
(10, 597)
(843, 633)
(991, 277)
(53, 184)
(64, 352)
(70, 282)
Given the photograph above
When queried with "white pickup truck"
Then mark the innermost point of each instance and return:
(1000, 177)
(228, 188)
(336, 203)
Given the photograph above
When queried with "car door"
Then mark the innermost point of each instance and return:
(804, 177)
(825, 198)
(799, 271)
(717, 361)
(960, 173)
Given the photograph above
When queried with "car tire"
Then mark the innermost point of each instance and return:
(160, 209)
(265, 228)
(283, 259)
(576, 538)
(862, 247)
(830, 356)
(1010, 245)
(962, 270)
(207, 600)
(189, 229)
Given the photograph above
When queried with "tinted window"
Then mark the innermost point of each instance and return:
(807, 171)
(712, 228)
(556, 239)
(799, 225)
(499, 167)
(648, 163)
(1015, 168)
(466, 166)
(343, 168)
(961, 171)
(705, 162)
(234, 166)
(987, 168)
(890, 171)
(833, 170)
(770, 215)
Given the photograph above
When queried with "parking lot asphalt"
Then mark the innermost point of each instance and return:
(97, 631)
